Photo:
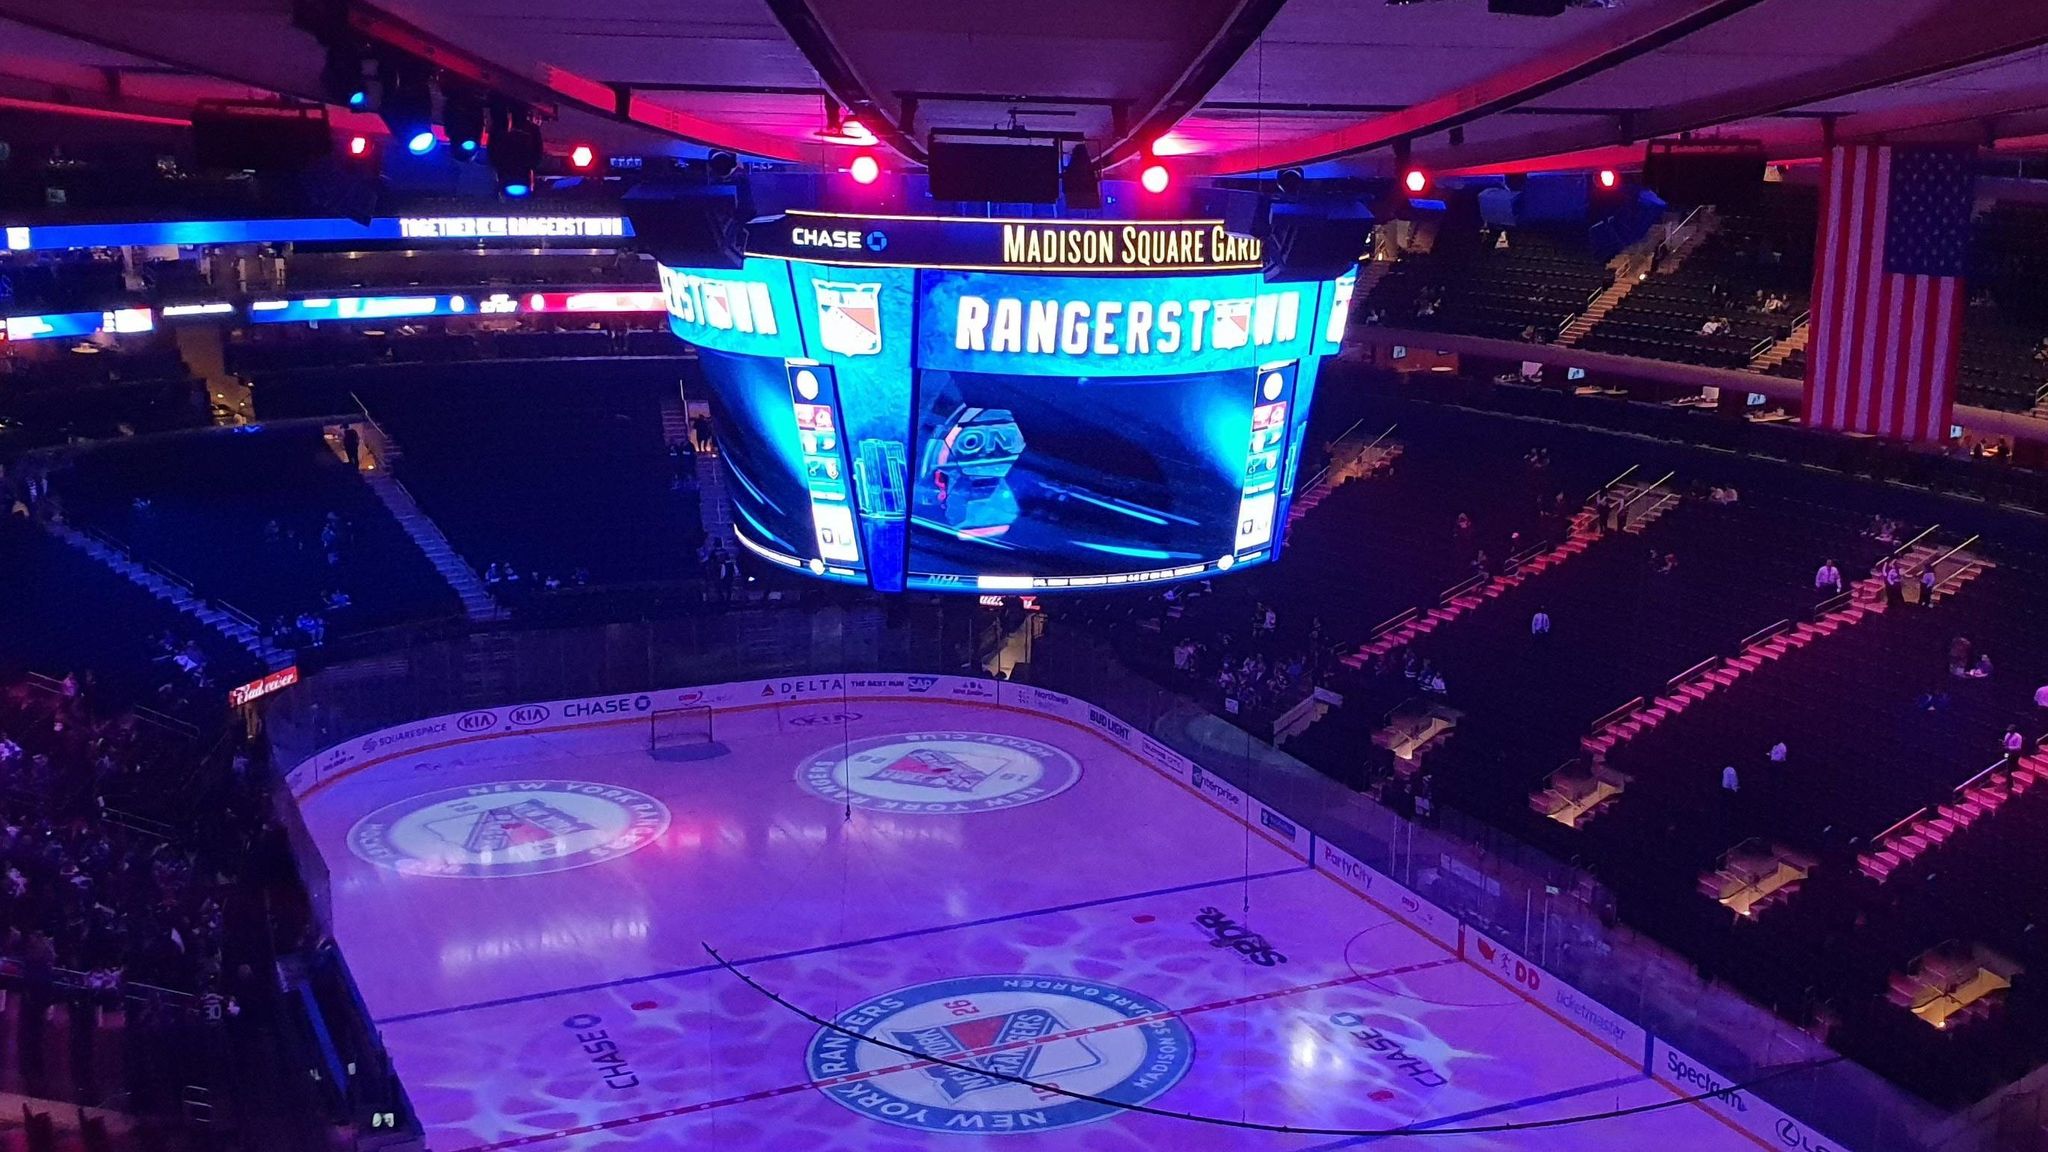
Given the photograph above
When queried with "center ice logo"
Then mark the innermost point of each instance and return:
(939, 772)
(990, 1032)
(516, 828)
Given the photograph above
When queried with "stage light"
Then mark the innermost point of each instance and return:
(342, 79)
(359, 145)
(581, 156)
(513, 147)
(462, 114)
(722, 165)
(1416, 181)
(864, 169)
(408, 107)
(1607, 177)
(1155, 178)
(841, 129)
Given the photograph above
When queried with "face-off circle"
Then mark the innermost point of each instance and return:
(1089, 1038)
(939, 773)
(514, 828)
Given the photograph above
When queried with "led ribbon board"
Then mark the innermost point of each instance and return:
(55, 325)
(417, 229)
(1100, 247)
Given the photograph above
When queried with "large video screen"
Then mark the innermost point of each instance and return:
(1051, 482)
(979, 429)
(779, 431)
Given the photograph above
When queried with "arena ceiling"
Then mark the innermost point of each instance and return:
(1232, 85)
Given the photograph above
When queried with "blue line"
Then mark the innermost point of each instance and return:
(1492, 1110)
(678, 973)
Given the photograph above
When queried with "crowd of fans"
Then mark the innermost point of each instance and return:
(1245, 663)
(103, 912)
(322, 558)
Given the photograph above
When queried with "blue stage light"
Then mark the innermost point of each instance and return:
(421, 143)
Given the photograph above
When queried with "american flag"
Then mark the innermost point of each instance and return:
(1888, 290)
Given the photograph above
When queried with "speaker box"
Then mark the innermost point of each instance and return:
(263, 138)
(685, 227)
(1727, 176)
(1023, 172)
(1315, 241)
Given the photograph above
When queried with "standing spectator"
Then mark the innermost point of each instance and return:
(351, 444)
(1539, 624)
(1730, 783)
(1828, 579)
(1894, 584)
(700, 430)
(1927, 583)
(730, 574)
(1777, 752)
(2014, 745)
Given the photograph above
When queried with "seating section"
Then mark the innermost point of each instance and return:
(1748, 278)
(289, 349)
(1875, 723)
(66, 614)
(268, 520)
(509, 271)
(1518, 284)
(551, 468)
(53, 393)
(2003, 362)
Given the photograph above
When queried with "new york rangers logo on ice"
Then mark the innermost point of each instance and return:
(991, 1032)
(1013, 1044)
(510, 828)
(931, 773)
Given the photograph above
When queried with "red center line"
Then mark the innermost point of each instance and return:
(915, 1065)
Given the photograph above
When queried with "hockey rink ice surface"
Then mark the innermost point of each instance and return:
(526, 916)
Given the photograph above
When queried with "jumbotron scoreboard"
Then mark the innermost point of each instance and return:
(1002, 406)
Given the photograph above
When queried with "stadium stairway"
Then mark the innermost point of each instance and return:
(716, 506)
(1782, 351)
(382, 454)
(1696, 685)
(675, 423)
(228, 622)
(1864, 599)
(1477, 593)
(1348, 461)
(1931, 827)
(1629, 267)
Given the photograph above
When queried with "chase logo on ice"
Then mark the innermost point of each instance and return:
(1090, 1039)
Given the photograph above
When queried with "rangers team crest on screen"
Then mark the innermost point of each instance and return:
(849, 317)
(980, 1035)
(940, 772)
(515, 828)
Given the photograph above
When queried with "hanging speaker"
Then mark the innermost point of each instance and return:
(686, 227)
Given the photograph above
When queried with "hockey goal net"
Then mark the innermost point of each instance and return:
(679, 731)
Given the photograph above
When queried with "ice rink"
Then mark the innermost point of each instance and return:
(527, 916)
